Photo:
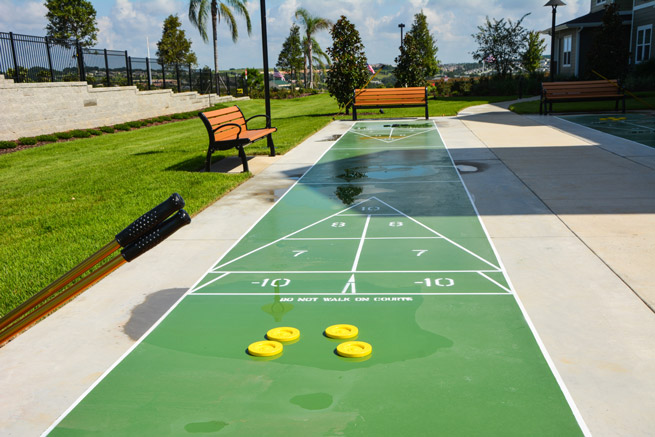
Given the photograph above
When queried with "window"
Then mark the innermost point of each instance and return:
(566, 51)
(644, 38)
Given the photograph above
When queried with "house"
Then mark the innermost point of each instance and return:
(574, 39)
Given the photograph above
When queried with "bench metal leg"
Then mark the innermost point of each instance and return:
(427, 116)
(244, 158)
(208, 161)
(354, 114)
(271, 146)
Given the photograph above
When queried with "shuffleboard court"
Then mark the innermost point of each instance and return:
(381, 234)
(635, 127)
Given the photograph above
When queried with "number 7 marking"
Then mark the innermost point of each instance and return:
(298, 252)
(419, 252)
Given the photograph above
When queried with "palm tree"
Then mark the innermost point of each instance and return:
(312, 25)
(199, 11)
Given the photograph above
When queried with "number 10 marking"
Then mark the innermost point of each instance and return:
(439, 282)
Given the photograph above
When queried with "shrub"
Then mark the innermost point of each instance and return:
(46, 138)
(107, 129)
(94, 132)
(165, 118)
(78, 133)
(64, 135)
(7, 144)
(177, 116)
(122, 126)
(27, 141)
(133, 124)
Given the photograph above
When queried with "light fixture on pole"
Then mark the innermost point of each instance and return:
(554, 4)
(401, 25)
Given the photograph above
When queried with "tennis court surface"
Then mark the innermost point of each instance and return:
(380, 234)
(638, 127)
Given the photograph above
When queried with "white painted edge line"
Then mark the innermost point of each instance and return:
(175, 305)
(540, 343)
(368, 238)
(354, 294)
(314, 272)
(496, 282)
(370, 182)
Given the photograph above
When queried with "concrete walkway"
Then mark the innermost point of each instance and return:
(570, 210)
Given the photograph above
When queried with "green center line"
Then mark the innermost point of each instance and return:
(383, 238)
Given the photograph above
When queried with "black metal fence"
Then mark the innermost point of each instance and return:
(27, 58)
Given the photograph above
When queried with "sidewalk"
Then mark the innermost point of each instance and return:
(570, 210)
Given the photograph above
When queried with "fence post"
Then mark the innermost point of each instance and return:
(47, 49)
(227, 83)
(177, 76)
(107, 68)
(190, 80)
(127, 69)
(149, 75)
(13, 54)
(163, 74)
(80, 60)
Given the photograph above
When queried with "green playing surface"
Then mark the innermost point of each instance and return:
(635, 127)
(380, 234)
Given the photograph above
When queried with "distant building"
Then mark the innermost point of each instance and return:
(574, 38)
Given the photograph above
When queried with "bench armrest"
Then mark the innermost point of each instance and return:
(228, 124)
(268, 119)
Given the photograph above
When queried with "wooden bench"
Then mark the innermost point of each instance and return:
(552, 92)
(390, 98)
(228, 128)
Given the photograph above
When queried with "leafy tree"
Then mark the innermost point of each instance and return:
(409, 66)
(426, 45)
(609, 50)
(72, 19)
(312, 25)
(291, 55)
(349, 65)
(174, 47)
(531, 58)
(503, 41)
(199, 13)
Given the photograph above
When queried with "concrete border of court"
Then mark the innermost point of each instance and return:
(544, 192)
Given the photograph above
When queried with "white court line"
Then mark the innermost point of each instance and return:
(269, 272)
(210, 282)
(368, 238)
(495, 282)
(355, 295)
(437, 233)
(361, 243)
(372, 181)
(392, 140)
(286, 236)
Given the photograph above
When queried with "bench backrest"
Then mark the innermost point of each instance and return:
(391, 96)
(214, 119)
(591, 88)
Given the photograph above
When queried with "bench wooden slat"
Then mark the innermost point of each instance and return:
(572, 91)
(390, 98)
(224, 135)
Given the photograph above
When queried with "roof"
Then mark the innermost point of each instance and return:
(594, 19)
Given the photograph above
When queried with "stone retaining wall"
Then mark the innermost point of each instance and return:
(30, 109)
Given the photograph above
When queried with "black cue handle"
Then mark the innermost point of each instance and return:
(156, 236)
(149, 220)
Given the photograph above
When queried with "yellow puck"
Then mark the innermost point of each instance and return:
(265, 348)
(341, 331)
(284, 333)
(354, 349)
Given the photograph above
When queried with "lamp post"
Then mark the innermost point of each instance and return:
(267, 93)
(554, 4)
(401, 25)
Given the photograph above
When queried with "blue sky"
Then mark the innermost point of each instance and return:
(125, 24)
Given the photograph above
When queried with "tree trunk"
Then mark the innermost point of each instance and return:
(311, 66)
(214, 33)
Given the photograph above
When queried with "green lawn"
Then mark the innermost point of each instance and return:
(63, 201)
(648, 102)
